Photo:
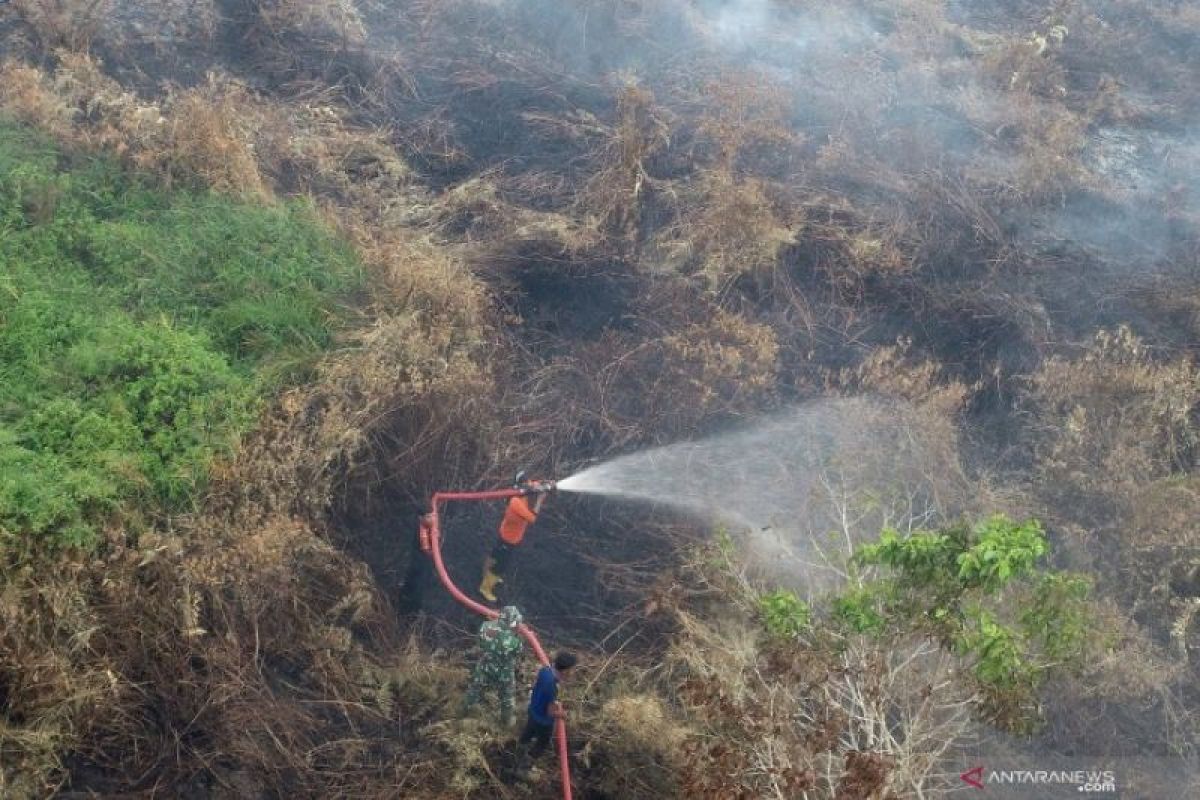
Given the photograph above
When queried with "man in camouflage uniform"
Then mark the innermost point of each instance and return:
(500, 647)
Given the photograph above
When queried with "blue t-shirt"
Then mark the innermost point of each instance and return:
(545, 692)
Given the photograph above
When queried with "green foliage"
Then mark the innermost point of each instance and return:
(1000, 652)
(139, 331)
(784, 615)
(980, 591)
(861, 610)
(988, 556)
(1002, 550)
(921, 558)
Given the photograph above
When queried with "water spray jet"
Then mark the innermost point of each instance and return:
(842, 466)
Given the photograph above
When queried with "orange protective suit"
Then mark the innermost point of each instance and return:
(517, 517)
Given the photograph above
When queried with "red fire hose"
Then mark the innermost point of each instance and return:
(431, 543)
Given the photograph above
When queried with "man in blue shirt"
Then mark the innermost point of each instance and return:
(544, 707)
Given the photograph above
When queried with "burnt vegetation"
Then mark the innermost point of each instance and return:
(580, 228)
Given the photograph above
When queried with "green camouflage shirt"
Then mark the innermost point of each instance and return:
(499, 644)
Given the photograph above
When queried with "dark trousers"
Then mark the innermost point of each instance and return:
(538, 733)
(501, 555)
(416, 576)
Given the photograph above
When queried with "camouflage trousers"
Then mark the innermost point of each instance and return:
(486, 678)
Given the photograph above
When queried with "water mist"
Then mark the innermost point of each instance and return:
(800, 488)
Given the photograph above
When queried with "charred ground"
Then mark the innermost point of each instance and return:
(593, 227)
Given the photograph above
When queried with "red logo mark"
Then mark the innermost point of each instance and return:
(973, 776)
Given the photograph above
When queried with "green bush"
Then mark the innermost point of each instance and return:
(1001, 551)
(784, 615)
(139, 331)
(981, 592)
(1000, 653)
(860, 610)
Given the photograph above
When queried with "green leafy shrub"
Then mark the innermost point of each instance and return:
(1001, 551)
(979, 590)
(860, 610)
(139, 330)
(784, 615)
(1000, 652)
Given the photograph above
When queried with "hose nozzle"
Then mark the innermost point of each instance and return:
(531, 486)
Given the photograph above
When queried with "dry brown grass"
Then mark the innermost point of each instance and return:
(201, 137)
(340, 18)
(65, 23)
(1030, 64)
(638, 388)
(208, 141)
(141, 663)
(216, 135)
(895, 371)
(297, 41)
(54, 689)
(635, 746)
(1115, 447)
(1052, 141)
(744, 118)
(396, 403)
(617, 189)
(93, 654)
(26, 95)
(83, 26)
(498, 233)
(728, 230)
(1115, 416)
(311, 149)
(723, 362)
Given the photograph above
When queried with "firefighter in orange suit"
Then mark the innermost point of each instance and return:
(517, 517)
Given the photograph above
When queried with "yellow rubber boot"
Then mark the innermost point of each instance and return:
(487, 586)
